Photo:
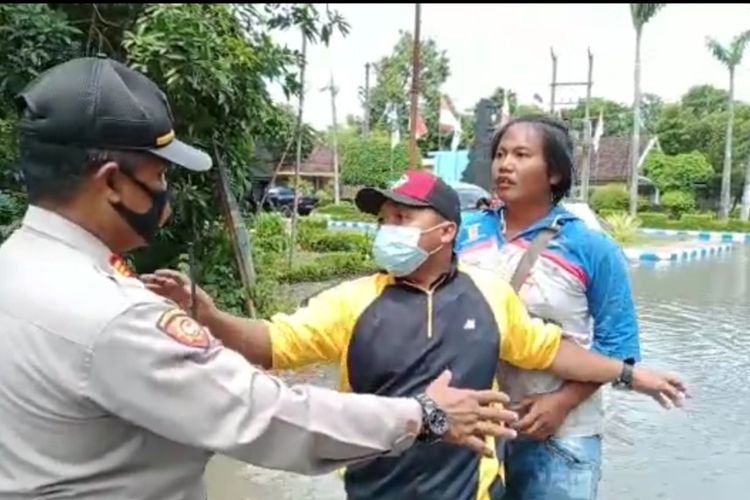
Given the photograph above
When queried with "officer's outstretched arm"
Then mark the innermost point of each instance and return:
(159, 369)
(315, 333)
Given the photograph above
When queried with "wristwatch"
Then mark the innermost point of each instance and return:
(434, 421)
(625, 381)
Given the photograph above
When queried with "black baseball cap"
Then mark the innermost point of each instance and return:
(416, 188)
(96, 102)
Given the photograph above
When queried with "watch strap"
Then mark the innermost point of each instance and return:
(626, 376)
(427, 434)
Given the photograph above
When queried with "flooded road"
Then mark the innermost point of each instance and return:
(695, 319)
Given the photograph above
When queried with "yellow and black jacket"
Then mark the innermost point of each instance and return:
(393, 339)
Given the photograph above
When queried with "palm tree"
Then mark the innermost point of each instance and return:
(730, 57)
(641, 14)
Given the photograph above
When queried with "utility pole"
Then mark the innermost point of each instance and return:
(334, 140)
(553, 86)
(298, 163)
(366, 122)
(587, 144)
(415, 88)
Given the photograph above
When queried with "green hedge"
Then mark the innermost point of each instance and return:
(341, 254)
(692, 222)
(328, 266)
(345, 211)
(612, 198)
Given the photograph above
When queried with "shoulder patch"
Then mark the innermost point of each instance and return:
(180, 326)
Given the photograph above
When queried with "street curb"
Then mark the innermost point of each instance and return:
(677, 255)
(338, 225)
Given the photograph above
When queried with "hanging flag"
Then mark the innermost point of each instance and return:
(450, 121)
(421, 126)
(599, 130)
(503, 116)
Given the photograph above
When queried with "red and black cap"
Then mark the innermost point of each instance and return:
(95, 102)
(416, 188)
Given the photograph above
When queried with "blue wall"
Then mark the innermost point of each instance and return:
(450, 165)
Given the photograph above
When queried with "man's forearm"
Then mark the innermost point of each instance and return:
(576, 363)
(248, 337)
(574, 393)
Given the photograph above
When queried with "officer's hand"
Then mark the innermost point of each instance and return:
(472, 414)
(176, 287)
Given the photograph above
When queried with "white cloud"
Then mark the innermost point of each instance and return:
(508, 45)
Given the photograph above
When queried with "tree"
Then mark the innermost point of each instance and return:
(618, 119)
(651, 108)
(641, 13)
(498, 98)
(698, 123)
(214, 61)
(393, 81)
(529, 109)
(680, 172)
(34, 37)
(703, 100)
(371, 161)
(730, 56)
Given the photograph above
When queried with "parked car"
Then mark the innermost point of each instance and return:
(470, 194)
(281, 199)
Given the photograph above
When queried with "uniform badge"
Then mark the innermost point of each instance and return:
(121, 266)
(180, 326)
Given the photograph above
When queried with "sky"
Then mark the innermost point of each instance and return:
(509, 45)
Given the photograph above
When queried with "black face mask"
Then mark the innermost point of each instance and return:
(145, 224)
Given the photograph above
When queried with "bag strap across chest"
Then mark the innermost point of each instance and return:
(532, 253)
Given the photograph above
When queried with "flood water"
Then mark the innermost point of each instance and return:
(695, 319)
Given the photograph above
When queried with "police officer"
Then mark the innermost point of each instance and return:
(110, 391)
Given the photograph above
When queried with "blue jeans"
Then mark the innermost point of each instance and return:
(556, 469)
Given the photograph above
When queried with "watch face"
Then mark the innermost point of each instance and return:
(438, 423)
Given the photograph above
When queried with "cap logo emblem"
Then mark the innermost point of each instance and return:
(165, 139)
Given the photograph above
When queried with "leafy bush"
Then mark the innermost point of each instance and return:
(652, 219)
(623, 227)
(338, 242)
(679, 172)
(609, 197)
(606, 212)
(697, 220)
(270, 233)
(346, 211)
(678, 202)
(693, 222)
(328, 266)
(644, 204)
(325, 197)
(372, 162)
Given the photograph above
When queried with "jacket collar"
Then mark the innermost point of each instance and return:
(556, 215)
(54, 226)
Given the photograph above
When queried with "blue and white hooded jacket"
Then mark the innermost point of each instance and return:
(580, 281)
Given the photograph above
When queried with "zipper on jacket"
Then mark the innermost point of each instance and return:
(429, 314)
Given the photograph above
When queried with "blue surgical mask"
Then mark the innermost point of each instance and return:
(396, 249)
